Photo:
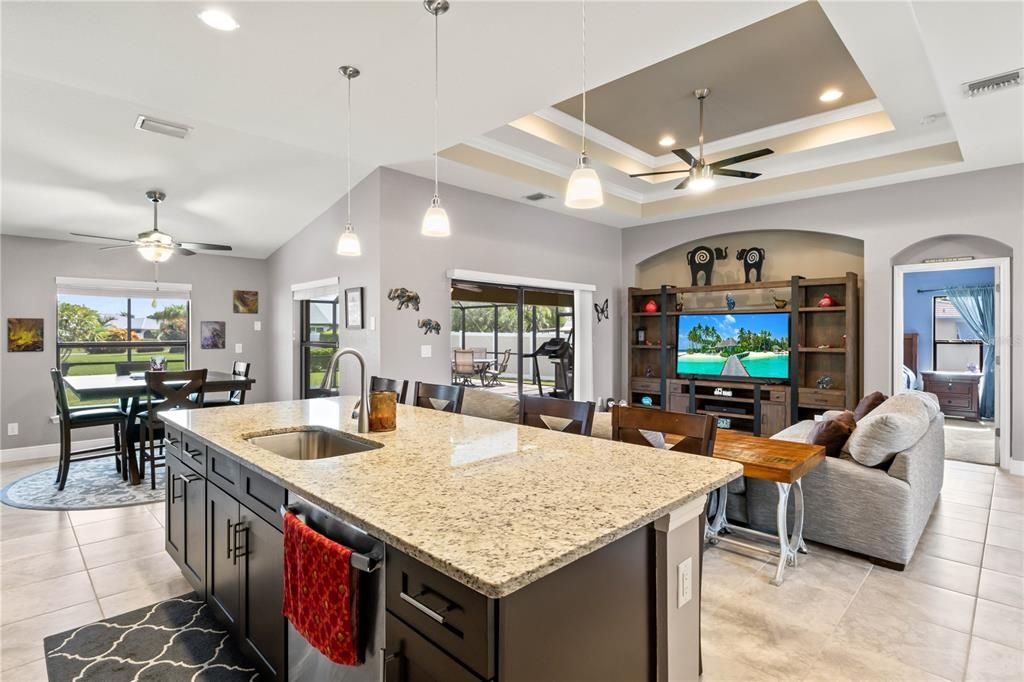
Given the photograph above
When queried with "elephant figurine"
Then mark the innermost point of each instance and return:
(753, 259)
(429, 326)
(702, 259)
(406, 298)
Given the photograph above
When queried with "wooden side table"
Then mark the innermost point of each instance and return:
(782, 462)
(957, 392)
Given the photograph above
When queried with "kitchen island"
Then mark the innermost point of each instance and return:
(532, 543)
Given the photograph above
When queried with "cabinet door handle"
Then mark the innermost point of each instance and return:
(229, 539)
(420, 606)
(188, 478)
(174, 494)
(240, 551)
(385, 658)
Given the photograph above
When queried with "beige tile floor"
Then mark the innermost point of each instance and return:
(954, 614)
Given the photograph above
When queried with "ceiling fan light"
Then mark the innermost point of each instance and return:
(584, 188)
(435, 220)
(701, 184)
(155, 252)
(348, 243)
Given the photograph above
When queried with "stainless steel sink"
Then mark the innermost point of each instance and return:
(312, 443)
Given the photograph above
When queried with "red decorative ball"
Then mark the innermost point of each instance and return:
(651, 306)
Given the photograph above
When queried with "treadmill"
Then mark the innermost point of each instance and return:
(559, 352)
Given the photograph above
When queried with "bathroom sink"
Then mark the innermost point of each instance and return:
(312, 443)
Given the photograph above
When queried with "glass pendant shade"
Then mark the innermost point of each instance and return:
(435, 220)
(584, 188)
(157, 248)
(348, 243)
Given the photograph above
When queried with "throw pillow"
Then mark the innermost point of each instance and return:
(891, 428)
(867, 404)
(833, 433)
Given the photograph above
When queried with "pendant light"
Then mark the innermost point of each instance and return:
(348, 242)
(584, 188)
(435, 220)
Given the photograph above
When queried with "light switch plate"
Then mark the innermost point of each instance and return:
(684, 583)
(12, 429)
(238, 348)
(257, 325)
(426, 351)
(373, 323)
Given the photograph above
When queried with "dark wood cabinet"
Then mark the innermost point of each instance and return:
(262, 627)
(185, 529)
(222, 585)
(413, 658)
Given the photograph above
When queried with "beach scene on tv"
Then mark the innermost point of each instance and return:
(752, 345)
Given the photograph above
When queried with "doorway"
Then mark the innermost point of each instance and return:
(512, 339)
(950, 324)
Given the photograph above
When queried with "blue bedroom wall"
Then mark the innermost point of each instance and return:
(917, 308)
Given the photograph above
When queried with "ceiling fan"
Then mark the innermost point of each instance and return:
(154, 245)
(701, 175)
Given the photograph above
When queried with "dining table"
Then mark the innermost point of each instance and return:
(122, 387)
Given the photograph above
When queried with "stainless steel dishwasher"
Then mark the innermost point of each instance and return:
(305, 663)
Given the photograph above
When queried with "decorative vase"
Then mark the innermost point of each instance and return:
(651, 306)
(383, 410)
(826, 301)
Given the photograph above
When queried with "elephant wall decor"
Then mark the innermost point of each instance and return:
(429, 326)
(702, 259)
(752, 259)
(406, 298)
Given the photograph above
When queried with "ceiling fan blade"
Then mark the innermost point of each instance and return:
(204, 247)
(684, 183)
(685, 156)
(183, 251)
(729, 172)
(644, 175)
(96, 236)
(119, 246)
(741, 158)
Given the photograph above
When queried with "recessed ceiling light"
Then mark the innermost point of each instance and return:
(831, 95)
(218, 19)
(667, 141)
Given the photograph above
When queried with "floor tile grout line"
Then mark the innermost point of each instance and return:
(974, 606)
(88, 575)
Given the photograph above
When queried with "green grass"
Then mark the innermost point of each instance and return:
(103, 363)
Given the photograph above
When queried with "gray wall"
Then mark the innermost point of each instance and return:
(889, 220)
(310, 255)
(28, 271)
(489, 235)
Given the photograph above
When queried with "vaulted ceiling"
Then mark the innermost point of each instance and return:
(266, 104)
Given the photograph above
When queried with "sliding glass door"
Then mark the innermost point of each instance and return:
(319, 324)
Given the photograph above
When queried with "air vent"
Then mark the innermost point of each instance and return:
(537, 196)
(155, 125)
(984, 86)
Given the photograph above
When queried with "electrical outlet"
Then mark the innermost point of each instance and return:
(426, 351)
(12, 429)
(684, 583)
(238, 348)
(257, 325)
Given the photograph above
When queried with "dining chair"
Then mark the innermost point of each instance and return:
(124, 369)
(239, 368)
(394, 385)
(165, 391)
(80, 418)
(464, 367)
(567, 416)
(697, 437)
(429, 395)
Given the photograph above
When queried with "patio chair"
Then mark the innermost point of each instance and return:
(491, 375)
(464, 368)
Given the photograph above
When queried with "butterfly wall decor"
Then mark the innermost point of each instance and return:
(601, 310)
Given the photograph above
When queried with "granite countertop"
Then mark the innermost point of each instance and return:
(494, 505)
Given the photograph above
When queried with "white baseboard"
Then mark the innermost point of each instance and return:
(1017, 467)
(48, 450)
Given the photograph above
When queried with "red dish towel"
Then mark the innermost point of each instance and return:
(321, 592)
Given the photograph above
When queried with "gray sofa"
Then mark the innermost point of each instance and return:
(877, 511)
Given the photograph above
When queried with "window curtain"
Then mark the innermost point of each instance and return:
(976, 304)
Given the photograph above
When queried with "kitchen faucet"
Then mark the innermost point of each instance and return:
(361, 413)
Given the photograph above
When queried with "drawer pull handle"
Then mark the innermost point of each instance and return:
(188, 478)
(423, 608)
(193, 453)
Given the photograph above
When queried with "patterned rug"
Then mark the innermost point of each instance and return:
(176, 639)
(93, 484)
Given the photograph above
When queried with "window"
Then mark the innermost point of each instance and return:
(319, 323)
(114, 334)
(956, 347)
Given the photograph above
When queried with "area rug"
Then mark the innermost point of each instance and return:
(93, 484)
(970, 441)
(176, 639)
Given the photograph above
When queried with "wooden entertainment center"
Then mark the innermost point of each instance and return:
(824, 342)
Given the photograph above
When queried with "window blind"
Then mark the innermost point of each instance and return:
(318, 290)
(84, 286)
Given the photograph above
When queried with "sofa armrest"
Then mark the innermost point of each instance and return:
(924, 462)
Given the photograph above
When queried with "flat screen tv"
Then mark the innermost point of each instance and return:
(735, 345)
